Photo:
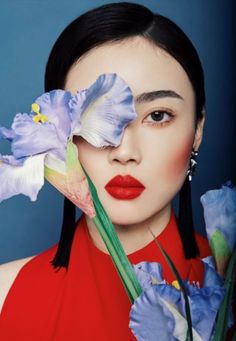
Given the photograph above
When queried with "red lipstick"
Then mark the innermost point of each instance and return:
(124, 187)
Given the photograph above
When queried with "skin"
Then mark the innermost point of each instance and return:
(157, 153)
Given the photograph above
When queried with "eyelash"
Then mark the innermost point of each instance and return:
(171, 117)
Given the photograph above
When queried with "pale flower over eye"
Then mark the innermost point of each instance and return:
(99, 114)
(104, 111)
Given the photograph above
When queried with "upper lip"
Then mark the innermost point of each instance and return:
(124, 181)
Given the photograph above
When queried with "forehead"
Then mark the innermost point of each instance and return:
(142, 65)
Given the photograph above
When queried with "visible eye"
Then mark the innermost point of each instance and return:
(160, 117)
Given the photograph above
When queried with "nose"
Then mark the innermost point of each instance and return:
(128, 150)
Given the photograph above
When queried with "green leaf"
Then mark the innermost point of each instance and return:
(223, 315)
(71, 155)
(219, 245)
(110, 238)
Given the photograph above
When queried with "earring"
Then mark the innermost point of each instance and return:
(192, 166)
(185, 218)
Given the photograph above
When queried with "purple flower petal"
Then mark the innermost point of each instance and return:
(7, 134)
(26, 179)
(211, 277)
(36, 138)
(11, 160)
(150, 319)
(148, 273)
(55, 106)
(101, 113)
(220, 212)
(204, 305)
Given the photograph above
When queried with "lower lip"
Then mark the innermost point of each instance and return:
(124, 193)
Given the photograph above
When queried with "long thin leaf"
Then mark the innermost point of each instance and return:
(223, 315)
(189, 335)
(109, 236)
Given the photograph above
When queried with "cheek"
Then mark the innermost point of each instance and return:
(180, 158)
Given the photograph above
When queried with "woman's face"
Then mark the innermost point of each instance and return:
(156, 146)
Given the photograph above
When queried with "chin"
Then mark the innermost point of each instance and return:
(128, 212)
(125, 220)
(128, 216)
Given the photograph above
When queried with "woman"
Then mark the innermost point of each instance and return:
(84, 299)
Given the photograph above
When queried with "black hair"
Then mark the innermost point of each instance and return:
(111, 23)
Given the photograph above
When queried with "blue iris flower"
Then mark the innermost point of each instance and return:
(220, 219)
(159, 313)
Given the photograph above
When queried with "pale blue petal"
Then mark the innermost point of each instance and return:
(172, 295)
(210, 261)
(148, 273)
(36, 138)
(27, 179)
(211, 277)
(11, 160)
(77, 107)
(55, 105)
(55, 164)
(150, 320)
(220, 212)
(7, 134)
(103, 111)
(205, 304)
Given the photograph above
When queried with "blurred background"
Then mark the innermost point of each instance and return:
(29, 28)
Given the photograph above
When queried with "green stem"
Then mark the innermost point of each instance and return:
(131, 291)
(110, 238)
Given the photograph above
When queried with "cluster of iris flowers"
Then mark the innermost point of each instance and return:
(42, 147)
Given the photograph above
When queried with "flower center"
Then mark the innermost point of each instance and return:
(38, 117)
(176, 284)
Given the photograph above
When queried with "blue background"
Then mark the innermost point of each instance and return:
(28, 29)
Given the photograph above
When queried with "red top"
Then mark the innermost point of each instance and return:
(88, 302)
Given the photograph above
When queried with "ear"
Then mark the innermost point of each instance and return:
(199, 131)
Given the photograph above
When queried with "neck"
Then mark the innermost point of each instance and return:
(133, 236)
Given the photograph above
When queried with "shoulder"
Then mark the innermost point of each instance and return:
(203, 245)
(32, 267)
(8, 273)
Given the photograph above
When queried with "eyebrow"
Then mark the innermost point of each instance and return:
(151, 96)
